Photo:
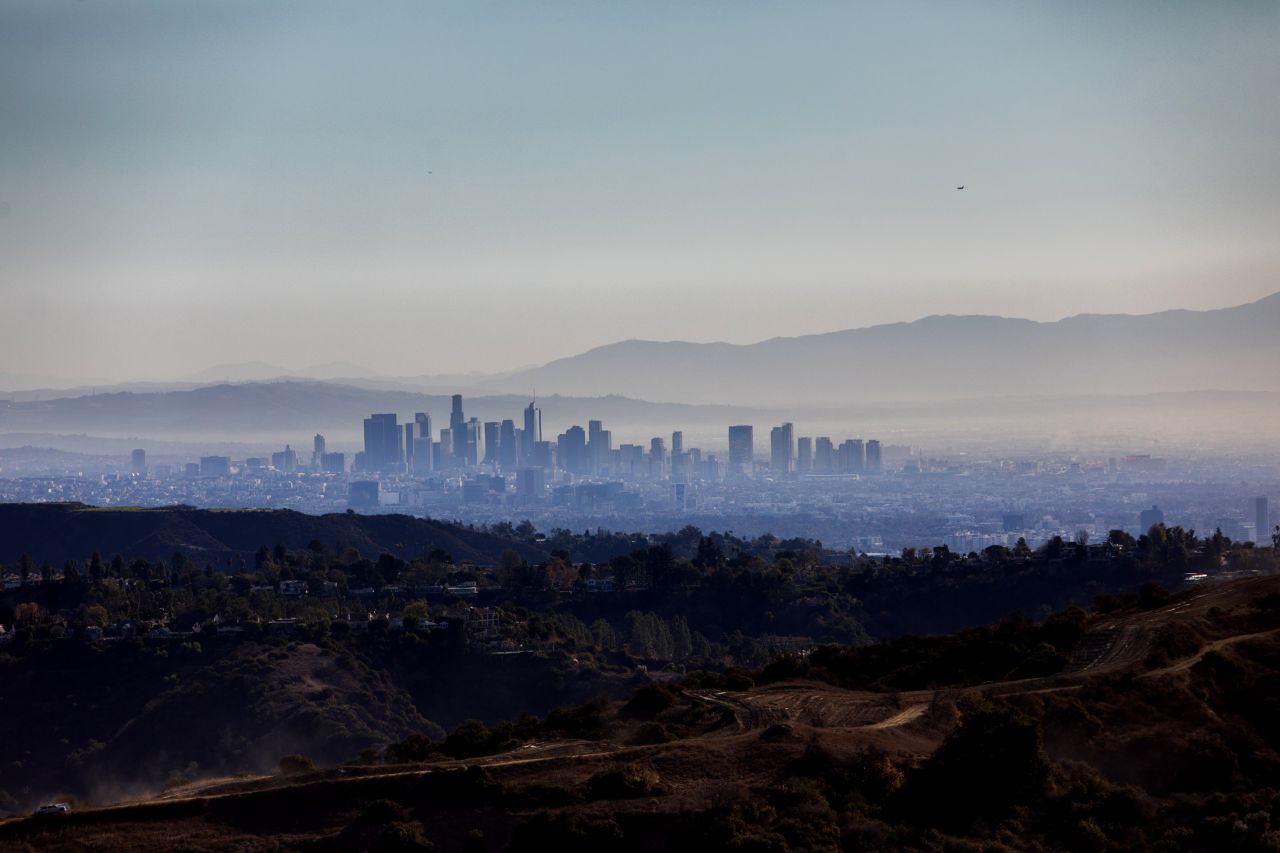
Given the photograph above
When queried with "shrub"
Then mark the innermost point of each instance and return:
(649, 701)
(291, 765)
(626, 782)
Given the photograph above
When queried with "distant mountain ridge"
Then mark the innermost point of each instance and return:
(940, 357)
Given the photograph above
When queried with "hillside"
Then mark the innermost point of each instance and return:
(1158, 733)
(59, 532)
(935, 357)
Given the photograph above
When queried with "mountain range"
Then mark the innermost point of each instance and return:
(940, 357)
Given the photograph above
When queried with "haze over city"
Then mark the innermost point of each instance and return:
(447, 189)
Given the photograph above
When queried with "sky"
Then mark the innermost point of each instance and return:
(426, 188)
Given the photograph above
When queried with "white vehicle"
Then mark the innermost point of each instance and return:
(53, 809)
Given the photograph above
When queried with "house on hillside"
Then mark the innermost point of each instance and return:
(293, 589)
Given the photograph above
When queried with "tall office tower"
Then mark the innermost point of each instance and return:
(286, 460)
(410, 433)
(508, 449)
(823, 457)
(596, 451)
(804, 455)
(782, 451)
(1261, 522)
(423, 420)
(530, 484)
(657, 458)
(446, 450)
(677, 442)
(317, 448)
(475, 442)
(423, 461)
(532, 429)
(852, 457)
(571, 450)
(544, 455)
(873, 456)
(333, 463)
(381, 442)
(1149, 518)
(138, 463)
(458, 428)
(741, 448)
(491, 442)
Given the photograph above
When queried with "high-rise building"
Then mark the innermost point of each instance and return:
(333, 463)
(530, 485)
(741, 448)
(532, 429)
(1149, 518)
(423, 461)
(446, 449)
(782, 452)
(215, 466)
(317, 452)
(597, 446)
(418, 429)
(491, 442)
(381, 442)
(1261, 522)
(475, 443)
(823, 456)
(853, 456)
(873, 456)
(286, 460)
(677, 442)
(138, 463)
(804, 455)
(571, 450)
(507, 448)
(458, 429)
(657, 458)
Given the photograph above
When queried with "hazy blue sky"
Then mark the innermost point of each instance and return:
(431, 187)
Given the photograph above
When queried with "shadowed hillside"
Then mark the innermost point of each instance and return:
(60, 532)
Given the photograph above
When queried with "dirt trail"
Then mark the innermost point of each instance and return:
(1186, 663)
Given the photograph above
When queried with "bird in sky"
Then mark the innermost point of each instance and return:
(960, 187)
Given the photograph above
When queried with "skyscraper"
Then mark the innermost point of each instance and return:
(458, 430)
(873, 456)
(657, 458)
(804, 455)
(782, 449)
(475, 443)
(741, 448)
(532, 429)
(853, 457)
(823, 456)
(597, 446)
(381, 442)
(571, 450)
(507, 450)
(138, 463)
(491, 442)
(1261, 522)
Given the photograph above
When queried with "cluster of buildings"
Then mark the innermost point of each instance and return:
(502, 446)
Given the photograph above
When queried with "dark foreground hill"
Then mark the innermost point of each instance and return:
(1159, 734)
(55, 533)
